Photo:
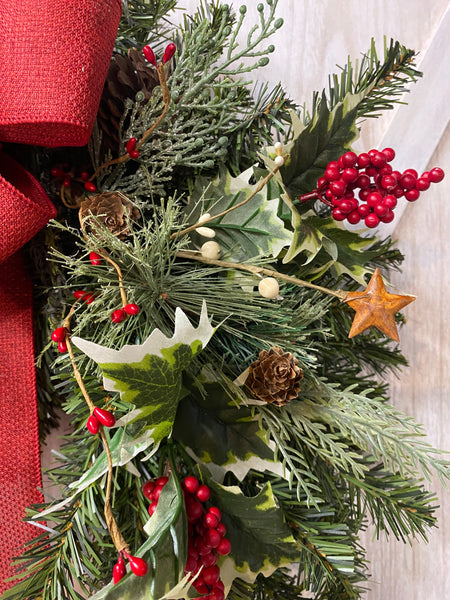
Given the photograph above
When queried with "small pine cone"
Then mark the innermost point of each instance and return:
(275, 377)
(113, 209)
(127, 75)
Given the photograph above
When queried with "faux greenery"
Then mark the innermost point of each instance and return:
(296, 484)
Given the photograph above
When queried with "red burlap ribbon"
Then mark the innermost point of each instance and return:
(54, 55)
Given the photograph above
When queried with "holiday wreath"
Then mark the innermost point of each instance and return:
(214, 330)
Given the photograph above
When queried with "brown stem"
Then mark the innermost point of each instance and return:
(258, 188)
(111, 523)
(341, 294)
(123, 294)
(166, 98)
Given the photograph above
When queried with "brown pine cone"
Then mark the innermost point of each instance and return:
(275, 377)
(113, 209)
(126, 76)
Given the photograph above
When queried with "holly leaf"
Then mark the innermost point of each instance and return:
(246, 232)
(165, 551)
(327, 135)
(260, 539)
(149, 375)
(223, 434)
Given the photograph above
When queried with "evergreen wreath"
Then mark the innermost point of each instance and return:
(229, 439)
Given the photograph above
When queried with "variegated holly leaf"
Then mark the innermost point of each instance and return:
(223, 433)
(260, 539)
(249, 231)
(149, 375)
(165, 551)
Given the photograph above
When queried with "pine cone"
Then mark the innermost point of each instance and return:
(113, 209)
(275, 377)
(127, 75)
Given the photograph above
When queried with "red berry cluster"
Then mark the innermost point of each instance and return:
(137, 565)
(120, 314)
(378, 184)
(59, 337)
(131, 148)
(206, 535)
(66, 174)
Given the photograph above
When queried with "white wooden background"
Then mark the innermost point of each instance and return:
(318, 35)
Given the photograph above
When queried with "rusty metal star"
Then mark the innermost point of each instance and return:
(375, 307)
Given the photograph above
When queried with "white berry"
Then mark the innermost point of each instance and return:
(278, 147)
(203, 218)
(210, 250)
(206, 232)
(268, 287)
(279, 161)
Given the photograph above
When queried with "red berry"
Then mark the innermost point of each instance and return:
(131, 309)
(105, 417)
(349, 159)
(191, 484)
(149, 55)
(211, 575)
(397, 192)
(79, 294)
(161, 481)
(380, 209)
(147, 489)
(203, 493)
(338, 187)
(215, 511)
(436, 175)
(90, 187)
(390, 201)
(213, 538)
(349, 175)
(372, 171)
(346, 206)
(66, 181)
(95, 259)
(364, 160)
(59, 334)
(388, 217)
(216, 594)
(378, 160)
(194, 510)
(93, 424)
(337, 214)
(211, 520)
(118, 315)
(191, 564)
(221, 529)
(374, 198)
(364, 193)
(386, 170)
(152, 507)
(219, 585)
(412, 172)
(131, 145)
(137, 565)
(371, 221)
(322, 183)
(202, 546)
(422, 184)
(62, 347)
(119, 570)
(169, 52)
(388, 182)
(201, 586)
(84, 176)
(88, 298)
(331, 173)
(412, 195)
(224, 547)
(210, 559)
(354, 217)
(56, 172)
(157, 492)
(364, 210)
(134, 154)
(389, 154)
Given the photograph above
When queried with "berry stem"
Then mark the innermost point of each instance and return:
(258, 188)
(341, 294)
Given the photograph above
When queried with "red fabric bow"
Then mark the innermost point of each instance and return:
(54, 56)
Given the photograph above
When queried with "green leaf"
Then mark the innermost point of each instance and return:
(150, 375)
(223, 435)
(251, 230)
(165, 551)
(327, 136)
(260, 539)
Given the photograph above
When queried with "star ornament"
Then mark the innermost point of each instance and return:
(375, 307)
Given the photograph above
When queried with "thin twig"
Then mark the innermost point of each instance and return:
(341, 294)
